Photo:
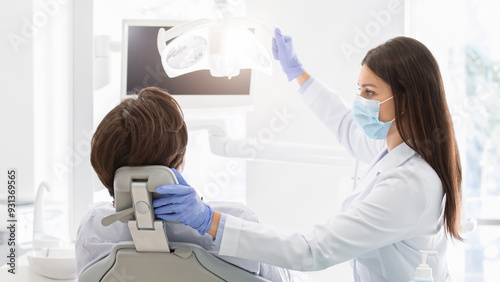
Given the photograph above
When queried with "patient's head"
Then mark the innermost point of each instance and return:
(145, 130)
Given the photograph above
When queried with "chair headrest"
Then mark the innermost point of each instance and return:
(125, 177)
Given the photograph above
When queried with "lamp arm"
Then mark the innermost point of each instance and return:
(249, 22)
(166, 35)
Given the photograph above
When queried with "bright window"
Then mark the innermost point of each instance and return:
(463, 35)
(480, 127)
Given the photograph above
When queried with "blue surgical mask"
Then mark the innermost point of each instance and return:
(365, 114)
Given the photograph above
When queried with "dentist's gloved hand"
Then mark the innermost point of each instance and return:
(181, 203)
(284, 52)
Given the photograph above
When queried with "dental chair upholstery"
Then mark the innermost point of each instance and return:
(150, 257)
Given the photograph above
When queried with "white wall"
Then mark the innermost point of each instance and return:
(16, 109)
(293, 197)
(40, 138)
(52, 59)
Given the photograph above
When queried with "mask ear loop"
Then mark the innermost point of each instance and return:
(399, 115)
(386, 100)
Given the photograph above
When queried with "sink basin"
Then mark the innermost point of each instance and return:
(55, 263)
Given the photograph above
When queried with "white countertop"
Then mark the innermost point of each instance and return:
(24, 273)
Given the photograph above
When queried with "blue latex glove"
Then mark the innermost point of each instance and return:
(181, 203)
(284, 52)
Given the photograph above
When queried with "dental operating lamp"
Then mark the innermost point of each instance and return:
(223, 46)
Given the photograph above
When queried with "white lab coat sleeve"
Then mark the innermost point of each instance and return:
(390, 214)
(336, 115)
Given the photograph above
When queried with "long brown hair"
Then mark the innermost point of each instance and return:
(147, 129)
(423, 119)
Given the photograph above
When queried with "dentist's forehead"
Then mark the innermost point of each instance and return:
(367, 78)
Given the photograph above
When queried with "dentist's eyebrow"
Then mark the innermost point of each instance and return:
(367, 84)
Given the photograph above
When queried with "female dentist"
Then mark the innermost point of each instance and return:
(410, 198)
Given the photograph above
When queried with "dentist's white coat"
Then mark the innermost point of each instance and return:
(395, 211)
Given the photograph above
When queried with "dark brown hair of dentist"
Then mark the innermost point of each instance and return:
(422, 115)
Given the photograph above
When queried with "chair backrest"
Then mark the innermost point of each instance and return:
(187, 262)
(150, 257)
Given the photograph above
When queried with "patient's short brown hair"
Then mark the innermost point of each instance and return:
(148, 129)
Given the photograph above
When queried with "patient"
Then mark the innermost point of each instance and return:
(147, 130)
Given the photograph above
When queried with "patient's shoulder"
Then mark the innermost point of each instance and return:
(96, 213)
(91, 229)
(235, 209)
(100, 208)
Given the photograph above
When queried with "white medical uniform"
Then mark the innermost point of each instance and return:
(396, 210)
(95, 241)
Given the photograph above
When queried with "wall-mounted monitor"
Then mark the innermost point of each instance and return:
(142, 67)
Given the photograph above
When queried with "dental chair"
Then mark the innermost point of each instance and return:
(151, 257)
